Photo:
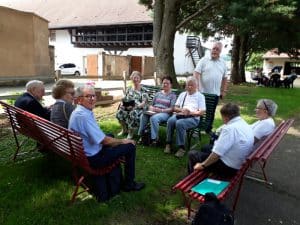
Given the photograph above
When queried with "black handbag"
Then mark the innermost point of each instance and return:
(128, 104)
(183, 116)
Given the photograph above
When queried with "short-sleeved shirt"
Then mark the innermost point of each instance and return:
(262, 128)
(235, 142)
(191, 102)
(83, 122)
(212, 72)
(164, 101)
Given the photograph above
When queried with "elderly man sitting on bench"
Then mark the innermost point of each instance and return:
(100, 149)
(229, 150)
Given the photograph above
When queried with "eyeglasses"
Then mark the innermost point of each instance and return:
(265, 107)
(89, 96)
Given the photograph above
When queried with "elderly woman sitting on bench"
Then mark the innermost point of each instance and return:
(265, 110)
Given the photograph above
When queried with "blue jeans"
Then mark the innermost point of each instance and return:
(108, 155)
(155, 120)
(181, 125)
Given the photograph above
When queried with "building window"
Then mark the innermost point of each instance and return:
(52, 35)
(113, 37)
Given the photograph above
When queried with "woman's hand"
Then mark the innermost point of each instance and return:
(152, 108)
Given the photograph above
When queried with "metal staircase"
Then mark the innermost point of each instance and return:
(195, 50)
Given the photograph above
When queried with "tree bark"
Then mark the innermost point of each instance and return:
(235, 59)
(242, 57)
(164, 23)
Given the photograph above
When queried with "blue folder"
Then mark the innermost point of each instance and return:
(210, 185)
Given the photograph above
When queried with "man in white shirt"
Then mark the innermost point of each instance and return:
(189, 106)
(230, 150)
(211, 73)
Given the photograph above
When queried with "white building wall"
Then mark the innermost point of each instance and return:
(182, 61)
(65, 52)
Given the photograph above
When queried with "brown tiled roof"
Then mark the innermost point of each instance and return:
(73, 13)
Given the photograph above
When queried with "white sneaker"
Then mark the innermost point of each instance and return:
(167, 149)
(180, 153)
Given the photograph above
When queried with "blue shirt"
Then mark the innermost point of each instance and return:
(83, 122)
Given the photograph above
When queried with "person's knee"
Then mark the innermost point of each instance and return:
(192, 154)
(180, 124)
(131, 146)
(153, 119)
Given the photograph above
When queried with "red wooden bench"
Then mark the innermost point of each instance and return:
(57, 139)
(260, 155)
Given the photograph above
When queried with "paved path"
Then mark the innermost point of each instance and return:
(278, 204)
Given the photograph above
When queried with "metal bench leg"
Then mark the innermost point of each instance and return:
(237, 194)
(187, 203)
(261, 180)
(78, 184)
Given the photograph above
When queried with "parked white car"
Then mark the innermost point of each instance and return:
(69, 69)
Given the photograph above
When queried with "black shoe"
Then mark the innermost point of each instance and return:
(133, 187)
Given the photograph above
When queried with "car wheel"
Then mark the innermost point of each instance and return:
(77, 73)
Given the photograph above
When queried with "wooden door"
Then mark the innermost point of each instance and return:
(136, 64)
(92, 65)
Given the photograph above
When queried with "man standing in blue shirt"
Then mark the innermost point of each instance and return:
(101, 150)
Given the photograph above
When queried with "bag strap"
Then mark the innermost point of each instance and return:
(64, 110)
(183, 100)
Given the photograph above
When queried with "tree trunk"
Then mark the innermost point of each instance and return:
(164, 23)
(235, 59)
(242, 57)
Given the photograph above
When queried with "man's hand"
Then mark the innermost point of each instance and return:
(223, 94)
(199, 166)
(128, 141)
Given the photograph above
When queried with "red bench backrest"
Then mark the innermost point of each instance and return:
(56, 138)
(267, 146)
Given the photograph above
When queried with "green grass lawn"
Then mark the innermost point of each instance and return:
(37, 190)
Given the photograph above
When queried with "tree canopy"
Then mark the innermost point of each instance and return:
(255, 25)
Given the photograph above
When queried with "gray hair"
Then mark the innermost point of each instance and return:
(79, 90)
(191, 79)
(269, 105)
(33, 84)
(136, 73)
(219, 44)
